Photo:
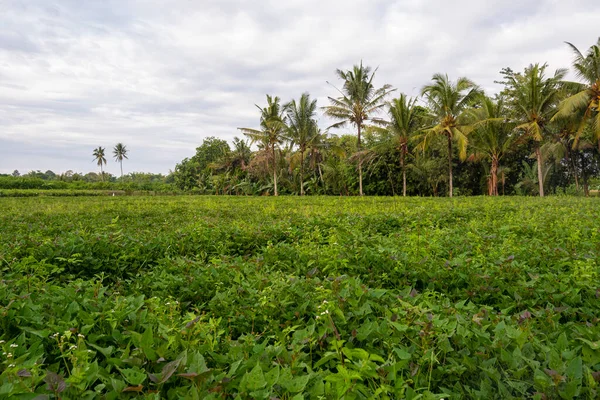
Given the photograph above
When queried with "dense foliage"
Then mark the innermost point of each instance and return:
(213, 297)
(538, 135)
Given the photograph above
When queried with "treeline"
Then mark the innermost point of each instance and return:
(538, 135)
(135, 181)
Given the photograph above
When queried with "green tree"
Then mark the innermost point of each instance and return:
(270, 134)
(449, 103)
(302, 127)
(534, 98)
(358, 102)
(586, 99)
(406, 119)
(195, 172)
(119, 153)
(100, 159)
(493, 139)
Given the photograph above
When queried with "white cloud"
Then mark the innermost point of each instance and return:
(160, 76)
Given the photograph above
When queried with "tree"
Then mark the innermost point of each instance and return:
(586, 99)
(119, 153)
(405, 120)
(302, 127)
(16, 173)
(534, 99)
(195, 172)
(270, 134)
(493, 139)
(358, 102)
(100, 159)
(449, 104)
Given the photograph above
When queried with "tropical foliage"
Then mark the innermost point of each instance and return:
(488, 144)
(355, 298)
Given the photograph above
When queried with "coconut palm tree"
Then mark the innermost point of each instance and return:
(534, 99)
(493, 139)
(358, 103)
(586, 99)
(302, 127)
(406, 119)
(449, 103)
(270, 134)
(100, 159)
(119, 153)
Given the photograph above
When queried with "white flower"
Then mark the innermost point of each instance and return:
(11, 366)
(14, 345)
(73, 347)
(9, 355)
(80, 336)
(2, 342)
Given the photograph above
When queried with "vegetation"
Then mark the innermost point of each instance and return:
(355, 298)
(452, 140)
(120, 152)
(100, 159)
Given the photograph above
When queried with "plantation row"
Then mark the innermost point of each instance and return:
(354, 298)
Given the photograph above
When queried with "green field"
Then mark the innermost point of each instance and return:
(354, 298)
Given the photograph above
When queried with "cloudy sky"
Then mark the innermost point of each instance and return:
(162, 75)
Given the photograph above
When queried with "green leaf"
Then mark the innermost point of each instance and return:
(134, 376)
(255, 379)
(298, 383)
(106, 351)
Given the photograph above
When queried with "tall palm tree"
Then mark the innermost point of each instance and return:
(100, 159)
(534, 98)
(586, 100)
(359, 101)
(302, 127)
(405, 120)
(449, 103)
(493, 139)
(119, 153)
(270, 134)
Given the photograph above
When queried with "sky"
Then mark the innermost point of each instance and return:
(160, 76)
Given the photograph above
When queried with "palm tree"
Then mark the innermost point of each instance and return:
(272, 128)
(358, 102)
(100, 159)
(449, 104)
(493, 139)
(534, 98)
(302, 127)
(405, 120)
(119, 153)
(586, 100)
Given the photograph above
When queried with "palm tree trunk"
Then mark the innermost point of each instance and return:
(274, 171)
(450, 166)
(538, 154)
(301, 172)
(360, 186)
(321, 174)
(101, 173)
(586, 190)
(121, 162)
(494, 172)
(571, 163)
(403, 170)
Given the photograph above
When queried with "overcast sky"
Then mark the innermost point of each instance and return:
(160, 76)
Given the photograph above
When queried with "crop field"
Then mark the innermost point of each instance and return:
(299, 298)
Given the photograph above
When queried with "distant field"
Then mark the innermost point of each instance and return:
(354, 298)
